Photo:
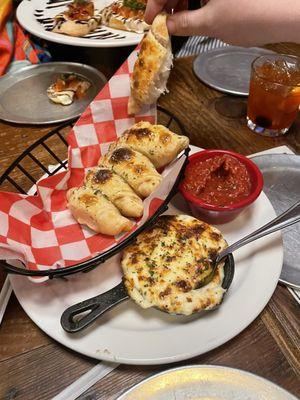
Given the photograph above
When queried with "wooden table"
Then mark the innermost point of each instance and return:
(33, 366)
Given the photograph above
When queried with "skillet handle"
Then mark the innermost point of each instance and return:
(96, 306)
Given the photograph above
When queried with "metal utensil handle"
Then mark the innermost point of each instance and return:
(96, 306)
(287, 218)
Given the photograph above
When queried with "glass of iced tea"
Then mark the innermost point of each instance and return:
(274, 95)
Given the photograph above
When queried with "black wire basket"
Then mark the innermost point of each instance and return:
(52, 149)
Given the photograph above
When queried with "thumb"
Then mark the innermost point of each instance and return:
(187, 23)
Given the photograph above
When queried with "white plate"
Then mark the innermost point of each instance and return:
(131, 335)
(206, 382)
(31, 14)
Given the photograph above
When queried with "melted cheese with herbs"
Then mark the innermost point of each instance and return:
(165, 263)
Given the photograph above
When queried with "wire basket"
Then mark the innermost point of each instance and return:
(51, 149)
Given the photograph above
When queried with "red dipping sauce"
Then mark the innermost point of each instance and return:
(222, 180)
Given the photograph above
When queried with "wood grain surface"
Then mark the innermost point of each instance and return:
(35, 367)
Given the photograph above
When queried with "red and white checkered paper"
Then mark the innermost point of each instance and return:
(39, 229)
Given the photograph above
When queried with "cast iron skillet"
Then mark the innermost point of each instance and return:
(98, 305)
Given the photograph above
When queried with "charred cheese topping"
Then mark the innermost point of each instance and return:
(136, 169)
(163, 267)
(156, 142)
(143, 129)
(102, 175)
(139, 132)
(121, 154)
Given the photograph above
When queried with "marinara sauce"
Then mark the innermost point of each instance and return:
(220, 181)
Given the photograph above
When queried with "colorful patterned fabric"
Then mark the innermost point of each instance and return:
(16, 48)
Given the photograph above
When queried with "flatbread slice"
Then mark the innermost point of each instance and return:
(152, 67)
(156, 142)
(116, 190)
(136, 169)
(90, 207)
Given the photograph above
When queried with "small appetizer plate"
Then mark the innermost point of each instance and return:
(205, 382)
(23, 94)
(37, 17)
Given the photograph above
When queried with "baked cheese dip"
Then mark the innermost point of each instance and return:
(166, 263)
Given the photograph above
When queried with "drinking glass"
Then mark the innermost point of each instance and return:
(274, 95)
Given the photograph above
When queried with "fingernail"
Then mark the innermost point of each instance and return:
(148, 20)
(170, 25)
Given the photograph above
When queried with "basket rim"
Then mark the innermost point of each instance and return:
(93, 262)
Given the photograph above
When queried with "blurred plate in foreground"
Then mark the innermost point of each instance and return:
(206, 382)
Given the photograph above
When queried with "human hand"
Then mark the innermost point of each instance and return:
(154, 7)
(238, 22)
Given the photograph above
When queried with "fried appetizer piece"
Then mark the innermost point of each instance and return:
(66, 88)
(166, 262)
(136, 169)
(79, 19)
(156, 142)
(93, 209)
(152, 67)
(127, 15)
(116, 190)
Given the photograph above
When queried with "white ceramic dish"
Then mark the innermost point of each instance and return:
(131, 335)
(36, 16)
(206, 382)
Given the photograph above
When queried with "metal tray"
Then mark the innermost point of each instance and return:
(282, 186)
(228, 69)
(23, 97)
(205, 382)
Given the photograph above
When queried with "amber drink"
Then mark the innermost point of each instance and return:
(274, 95)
